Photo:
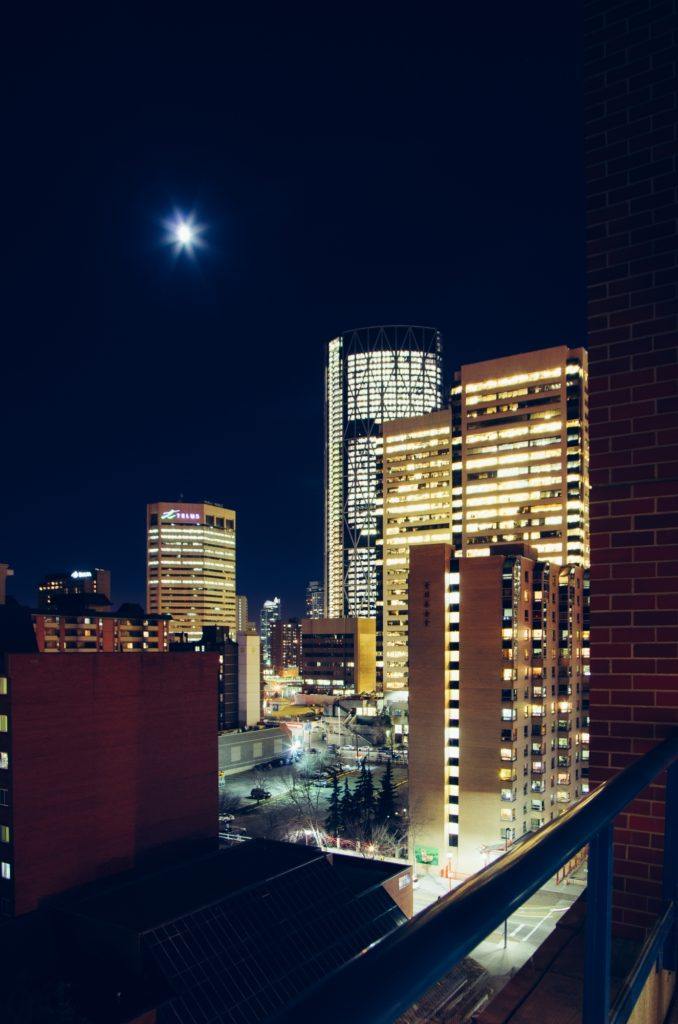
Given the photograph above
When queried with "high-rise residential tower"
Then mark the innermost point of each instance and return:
(270, 614)
(372, 375)
(520, 462)
(241, 613)
(315, 600)
(191, 565)
(286, 647)
(417, 495)
(497, 660)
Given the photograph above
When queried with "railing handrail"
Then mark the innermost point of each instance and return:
(382, 982)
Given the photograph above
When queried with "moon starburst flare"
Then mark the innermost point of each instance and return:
(183, 233)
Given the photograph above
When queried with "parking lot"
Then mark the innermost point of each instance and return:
(268, 818)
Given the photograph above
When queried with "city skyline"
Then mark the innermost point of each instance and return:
(302, 242)
(25, 589)
(380, 723)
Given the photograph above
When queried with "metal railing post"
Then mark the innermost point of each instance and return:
(596, 1006)
(670, 864)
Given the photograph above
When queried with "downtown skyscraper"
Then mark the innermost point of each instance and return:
(372, 375)
(190, 569)
(521, 454)
(417, 496)
(270, 614)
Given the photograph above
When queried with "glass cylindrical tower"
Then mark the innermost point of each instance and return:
(372, 374)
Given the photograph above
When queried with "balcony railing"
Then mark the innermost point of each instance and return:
(381, 983)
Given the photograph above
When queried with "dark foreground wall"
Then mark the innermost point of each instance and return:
(630, 96)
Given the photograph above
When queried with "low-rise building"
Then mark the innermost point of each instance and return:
(339, 655)
(88, 628)
(242, 749)
(103, 758)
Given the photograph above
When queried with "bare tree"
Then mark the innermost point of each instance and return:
(275, 820)
(382, 842)
(229, 803)
(305, 807)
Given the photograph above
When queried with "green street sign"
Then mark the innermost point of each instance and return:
(426, 855)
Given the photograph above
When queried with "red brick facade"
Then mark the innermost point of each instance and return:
(632, 241)
(110, 755)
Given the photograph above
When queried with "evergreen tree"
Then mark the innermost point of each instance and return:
(385, 810)
(364, 800)
(347, 814)
(333, 823)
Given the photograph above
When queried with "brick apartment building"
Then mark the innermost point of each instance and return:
(102, 758)
(498, 647)
(83, 628)
(631, 144)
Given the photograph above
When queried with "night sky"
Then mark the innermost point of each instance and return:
(353, 166)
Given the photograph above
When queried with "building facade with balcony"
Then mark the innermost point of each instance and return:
(496, 730)
(91, 629)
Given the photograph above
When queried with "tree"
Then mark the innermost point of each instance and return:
(333, 819)
(305, 805)
(383, 841)
(347, 810)
(385, 809)
(229, 803)
(364, 799)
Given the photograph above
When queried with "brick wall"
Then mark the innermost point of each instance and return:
(111, 755)
(632, 241)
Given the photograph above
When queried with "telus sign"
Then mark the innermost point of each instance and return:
(176, 513)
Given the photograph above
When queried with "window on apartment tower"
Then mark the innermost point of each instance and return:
(5, 869)
(4, 833)
(4, 723)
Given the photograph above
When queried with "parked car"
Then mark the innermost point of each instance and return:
(259, 794)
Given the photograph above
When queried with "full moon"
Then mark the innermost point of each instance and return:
(183, 233)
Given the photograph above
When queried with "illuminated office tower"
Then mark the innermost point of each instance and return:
(372, 375)
(56, 586)
(520, 462)
(497, 658)
(270, 614)
(191, 566)
(417, 496)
